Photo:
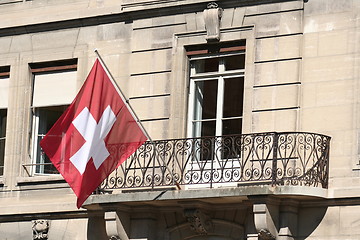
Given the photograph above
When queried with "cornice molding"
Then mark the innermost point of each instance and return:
(126, 12)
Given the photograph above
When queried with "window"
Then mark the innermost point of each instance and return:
(216, 99)
(4, 96)
(216, 94)
(2, 139)
(44, 119)
(54, 88)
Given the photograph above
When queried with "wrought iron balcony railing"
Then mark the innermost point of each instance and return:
(264, 158)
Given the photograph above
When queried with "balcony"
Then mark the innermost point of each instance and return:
(277, 159)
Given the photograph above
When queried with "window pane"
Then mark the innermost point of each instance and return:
(4, 91)
(2, 138)
(232, 126)
(205, 99)
(2, 122)
(233, 97)
(44, 164)
(204, 128)
(47, 117)
(234, 62)
(2, 155)
(207, 65)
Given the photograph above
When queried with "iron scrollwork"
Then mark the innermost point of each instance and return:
(295, 158)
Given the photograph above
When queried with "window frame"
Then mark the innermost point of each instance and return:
(2, 140)
(36, 161)
(4, 73)
(220, 76)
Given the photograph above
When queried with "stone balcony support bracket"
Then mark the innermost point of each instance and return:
(104, 226)
(266, 218)
(275, 218)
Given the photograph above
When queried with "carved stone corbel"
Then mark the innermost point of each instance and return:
(40, 229)
(212, 17)
(199, 221)
(265, 218)
(114, 238)
(111, 225)
(265, 234)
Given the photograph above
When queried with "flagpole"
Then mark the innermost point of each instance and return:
(121, 93)
(127, 103)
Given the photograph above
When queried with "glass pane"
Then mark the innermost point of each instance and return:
(235, 62)
(2, 122)
(44, 164)
(3, 113)
(233, 97)
(231, 148)
(204, 128)
(48, 116)
(2, 154)
(207, 65)
(232, 126)
(205, 99)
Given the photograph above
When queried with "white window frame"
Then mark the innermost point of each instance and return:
(36, 159)
(3, 139)
(4, 91)
(219, 76)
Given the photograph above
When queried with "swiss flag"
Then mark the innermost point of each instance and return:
(94, 135)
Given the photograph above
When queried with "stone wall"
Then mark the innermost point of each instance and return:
(301, 74)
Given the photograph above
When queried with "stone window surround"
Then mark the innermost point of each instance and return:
(24, 180)
(180, 69)
(48, 67)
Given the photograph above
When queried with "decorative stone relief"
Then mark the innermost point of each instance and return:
(266, 214)
(264, 234)
(212, 17)
(199, 221)
(114, 238)
(40, 229)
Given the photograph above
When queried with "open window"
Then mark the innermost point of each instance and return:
(215, 110)
(4, 96)
(54, 88)
(216, 94)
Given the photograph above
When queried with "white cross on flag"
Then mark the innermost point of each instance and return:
(94, 135)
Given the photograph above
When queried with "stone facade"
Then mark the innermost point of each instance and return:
(301, 75)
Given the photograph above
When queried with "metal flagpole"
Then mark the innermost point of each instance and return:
(126, 101)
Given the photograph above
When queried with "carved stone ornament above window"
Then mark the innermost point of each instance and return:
(264, 234)
(212, 17)
(199, 221)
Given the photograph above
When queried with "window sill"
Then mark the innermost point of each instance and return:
(2, 181)
(42, 182)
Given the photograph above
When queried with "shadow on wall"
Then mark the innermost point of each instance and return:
(309, 219)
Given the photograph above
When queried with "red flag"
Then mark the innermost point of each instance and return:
(93, 136)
